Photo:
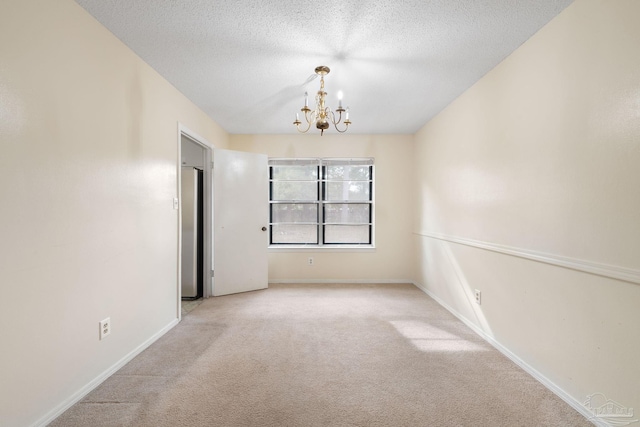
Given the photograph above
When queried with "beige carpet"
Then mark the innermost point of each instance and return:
(321, 355)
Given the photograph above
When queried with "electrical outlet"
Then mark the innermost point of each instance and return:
(310, 262)
(105, 328)
(478, 296)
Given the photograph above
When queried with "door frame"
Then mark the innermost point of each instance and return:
(207, 201)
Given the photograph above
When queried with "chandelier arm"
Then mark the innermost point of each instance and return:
(310, 116)
(346, 126)
(302, 131)
(333, 116)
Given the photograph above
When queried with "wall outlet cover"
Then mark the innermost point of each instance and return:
(105, 328)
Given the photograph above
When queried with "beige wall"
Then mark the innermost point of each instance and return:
(88, 160)
(540, 159)
(390, 260)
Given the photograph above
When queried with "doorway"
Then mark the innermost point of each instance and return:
(234, 233)
(194, 229)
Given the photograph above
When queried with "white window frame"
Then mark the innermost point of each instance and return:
(339, 247)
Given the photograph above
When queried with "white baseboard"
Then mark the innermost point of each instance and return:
(339, 281)
(517, 360)
(77, 396)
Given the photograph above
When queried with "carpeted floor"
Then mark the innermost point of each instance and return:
(321, 355)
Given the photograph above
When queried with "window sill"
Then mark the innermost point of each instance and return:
(324, 248)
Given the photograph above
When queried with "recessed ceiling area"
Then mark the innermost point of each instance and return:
(247, 64)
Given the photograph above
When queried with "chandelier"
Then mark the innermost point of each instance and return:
(322, 115)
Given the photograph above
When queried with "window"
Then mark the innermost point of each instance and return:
(319, 202)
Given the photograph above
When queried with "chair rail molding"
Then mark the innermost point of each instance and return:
(598, 269)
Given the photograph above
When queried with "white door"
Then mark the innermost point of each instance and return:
(240, 221)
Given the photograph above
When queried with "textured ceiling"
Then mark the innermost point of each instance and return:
(248, 63)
